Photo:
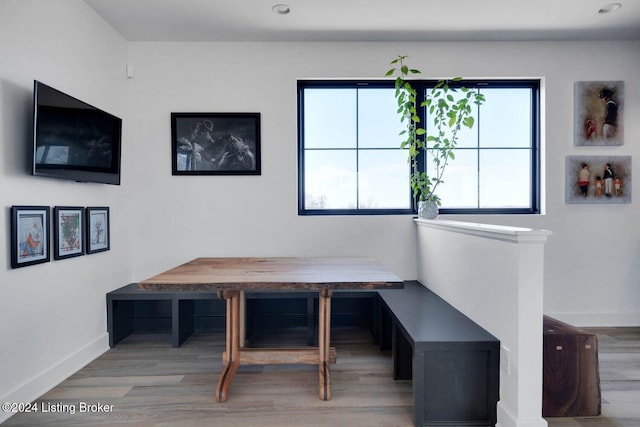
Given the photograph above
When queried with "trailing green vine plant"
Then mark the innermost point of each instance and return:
(449, 108)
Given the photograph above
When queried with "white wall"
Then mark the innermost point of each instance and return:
(592, 261)
(52, 316)
(194, 216)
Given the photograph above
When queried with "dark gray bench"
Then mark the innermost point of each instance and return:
(454, 364)
(121, 311)
(350, 308)
(175, 311)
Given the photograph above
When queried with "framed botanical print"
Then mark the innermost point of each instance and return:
(97, 229)
(68, 232)
(29, 235)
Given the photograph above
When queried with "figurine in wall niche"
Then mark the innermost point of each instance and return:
(610, 126)
(608, 180)
(583, 179)
(599, 186)
(617, 186)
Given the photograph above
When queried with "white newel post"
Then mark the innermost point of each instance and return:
(494, 275)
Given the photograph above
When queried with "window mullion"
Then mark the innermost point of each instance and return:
(478, 156)
(357, 149)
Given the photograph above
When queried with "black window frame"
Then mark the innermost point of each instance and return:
(422, 86)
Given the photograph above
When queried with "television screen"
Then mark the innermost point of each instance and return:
(74, 140)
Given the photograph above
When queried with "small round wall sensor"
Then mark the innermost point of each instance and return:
(611, 7)
(281, 9)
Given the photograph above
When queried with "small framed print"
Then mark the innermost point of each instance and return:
(97, 229)
(29, 235)
(215, 143)
(68, 232)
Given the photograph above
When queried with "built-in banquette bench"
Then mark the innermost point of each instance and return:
(132, 310)
(123, 303)
(454, 364)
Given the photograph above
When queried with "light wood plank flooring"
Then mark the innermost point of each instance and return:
(151, 384)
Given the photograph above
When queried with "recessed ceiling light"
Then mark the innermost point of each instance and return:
(611, 7)
(281, 9)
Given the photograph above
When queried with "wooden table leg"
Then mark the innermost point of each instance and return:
(232, 362)
(324, 342)
(243, 319)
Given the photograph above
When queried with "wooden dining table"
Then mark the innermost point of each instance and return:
(231, 277)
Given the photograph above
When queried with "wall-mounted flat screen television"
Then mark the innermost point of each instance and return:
(74, 140)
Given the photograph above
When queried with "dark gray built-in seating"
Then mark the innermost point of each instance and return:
(123, 302)
(277, 310)
(454, 363)
(132, 310)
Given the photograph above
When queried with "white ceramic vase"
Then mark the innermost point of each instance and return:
(427, 209)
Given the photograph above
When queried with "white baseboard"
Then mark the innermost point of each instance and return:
(595, 320)
(44, 381)
(508, 419)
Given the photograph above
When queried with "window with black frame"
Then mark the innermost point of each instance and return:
(350, 160)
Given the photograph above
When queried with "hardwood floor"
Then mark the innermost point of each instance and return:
(148, 383)
(151, 384)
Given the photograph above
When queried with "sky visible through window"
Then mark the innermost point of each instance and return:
(352, 158)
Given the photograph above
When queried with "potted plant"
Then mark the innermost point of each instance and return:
(449, 109)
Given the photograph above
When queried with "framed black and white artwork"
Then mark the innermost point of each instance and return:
(215, 143)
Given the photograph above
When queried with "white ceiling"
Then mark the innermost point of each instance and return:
(369, 20)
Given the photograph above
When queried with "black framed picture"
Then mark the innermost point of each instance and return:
(215, 143)
(68, 232)
(97, 229)
(29, 235)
